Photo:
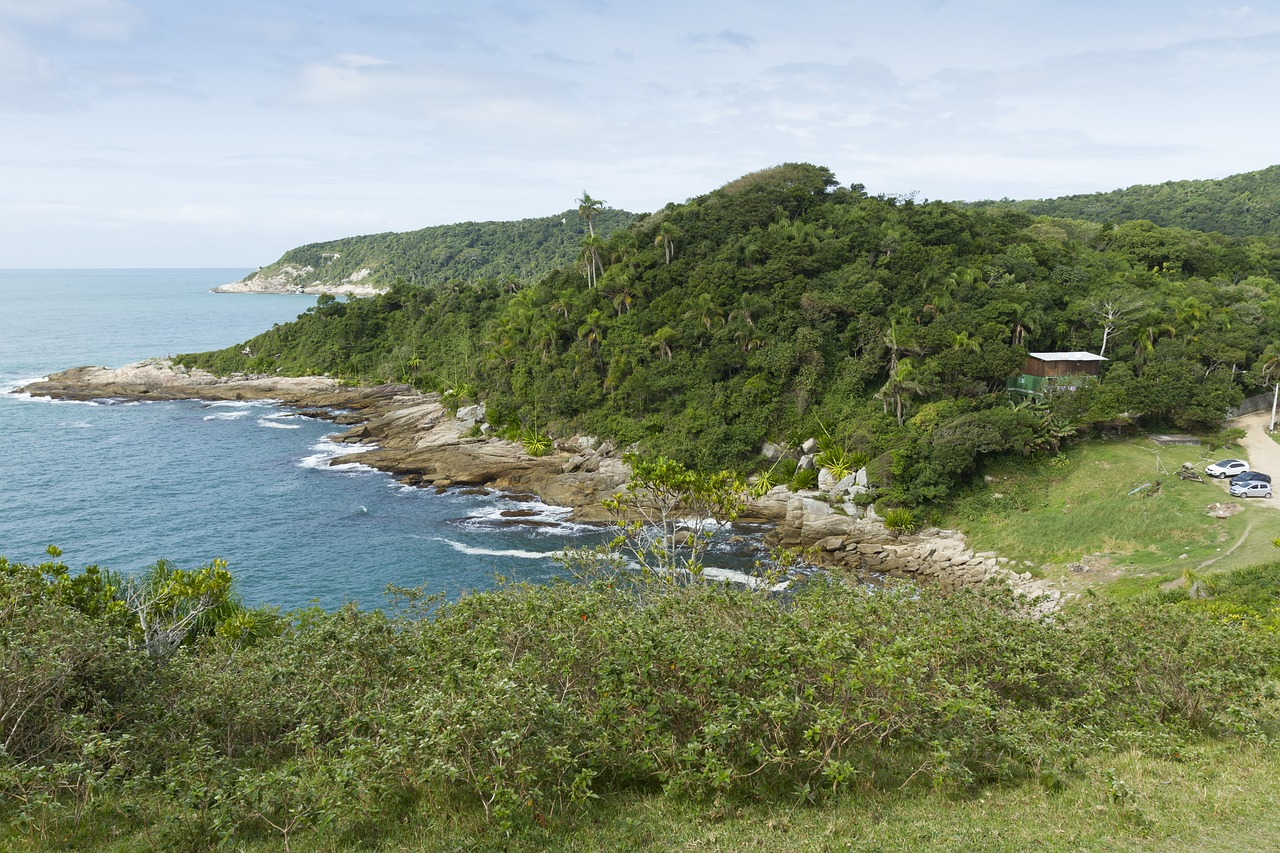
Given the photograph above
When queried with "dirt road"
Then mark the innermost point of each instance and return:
(1261, 450)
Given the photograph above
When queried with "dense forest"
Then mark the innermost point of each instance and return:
(1240, 205)
(783, 306)
(522, 251)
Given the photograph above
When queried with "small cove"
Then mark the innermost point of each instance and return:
(124, 484)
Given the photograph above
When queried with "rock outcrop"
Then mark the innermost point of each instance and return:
(863, 545)
(292, 278)
(420, 441)
(416, 438)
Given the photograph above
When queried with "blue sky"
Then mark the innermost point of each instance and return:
(223, 132)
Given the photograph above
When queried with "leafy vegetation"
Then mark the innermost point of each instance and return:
(521, 252)
(1245, 205)
(783, 306)
(344, 726)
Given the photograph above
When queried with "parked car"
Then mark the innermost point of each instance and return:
(1250, 476)
(1251, 489)
(1227, 468)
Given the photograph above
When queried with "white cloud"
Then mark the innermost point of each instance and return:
(724, 38)
(93, 20)
(355, 60)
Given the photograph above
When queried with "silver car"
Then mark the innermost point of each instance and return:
(1251, 489)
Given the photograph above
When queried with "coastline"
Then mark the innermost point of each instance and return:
(414, 437)
(292, 278)
(418, 441)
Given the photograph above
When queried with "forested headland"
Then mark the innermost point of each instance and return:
(1241, 205)
(521, 251)
(784, 305)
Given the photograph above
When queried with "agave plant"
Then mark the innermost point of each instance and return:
(764, 482)
(836, 460)
(900, 519)
(804, 479)
(535, 443)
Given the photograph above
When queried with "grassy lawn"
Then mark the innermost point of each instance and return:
(1119, 509)
(1215, 801)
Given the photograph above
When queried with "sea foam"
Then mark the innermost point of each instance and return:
(496, 552)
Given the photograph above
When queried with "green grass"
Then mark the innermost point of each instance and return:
(1210, 797)
(1085, 508)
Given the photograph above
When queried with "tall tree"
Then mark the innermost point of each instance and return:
(592, 251)
(588, 207)
(906, 381)
(666, 239)
(1112, 310)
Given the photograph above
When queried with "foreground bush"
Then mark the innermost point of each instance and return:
(528, 701)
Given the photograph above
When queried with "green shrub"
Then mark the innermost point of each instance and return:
(836, 460)
(785, 468)
(346, 722)
(899, 519)
(806, 478)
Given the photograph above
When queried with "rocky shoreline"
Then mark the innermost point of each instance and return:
(418, 440)
(292, 278)
(415, 437)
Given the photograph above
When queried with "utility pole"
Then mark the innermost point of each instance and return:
(1274, 397)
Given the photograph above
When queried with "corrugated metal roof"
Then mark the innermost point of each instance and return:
(1066, 356)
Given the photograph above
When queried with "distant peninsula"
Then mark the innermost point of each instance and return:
(521, 251)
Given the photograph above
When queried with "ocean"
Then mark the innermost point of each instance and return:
(122, 485)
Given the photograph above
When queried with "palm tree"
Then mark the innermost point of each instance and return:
(623, 289)
(592, 329)
(662, 340)
(1145, 342)
(592, 249)
(905, 381)
(746, 337)
(588, 207)
(705, 310)
(1190, 313)
(667, 234)
(897, 339)
(546, 338)
(748, 307)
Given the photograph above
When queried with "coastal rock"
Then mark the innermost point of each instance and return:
(294, 278)
(415, 438)
(769, 507)
(159, 379)
(772, 452)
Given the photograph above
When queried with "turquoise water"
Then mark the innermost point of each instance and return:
(122, 485)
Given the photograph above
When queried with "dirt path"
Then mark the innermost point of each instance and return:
(1243, 536)
(1261, 451)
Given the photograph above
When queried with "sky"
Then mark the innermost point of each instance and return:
(188, 133)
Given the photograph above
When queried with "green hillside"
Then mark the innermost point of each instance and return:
(524, 250)
(783, 306)
(1240, 205)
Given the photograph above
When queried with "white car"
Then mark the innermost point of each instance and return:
(1227, 468)
(1251, 489)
